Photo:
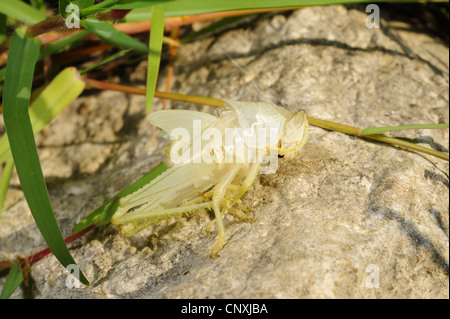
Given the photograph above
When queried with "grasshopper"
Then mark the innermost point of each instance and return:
(210, 170)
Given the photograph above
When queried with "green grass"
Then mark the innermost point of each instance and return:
(108, 34)
(21, 11)
(4, 183)
(191, 7)
(105, 61)
(13, 281)
(154, 56)
(378, 130)
(64, 88)
(19, 76)
(103, 214)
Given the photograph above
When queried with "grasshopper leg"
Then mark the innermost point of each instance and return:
(248, 181)
(217, 199)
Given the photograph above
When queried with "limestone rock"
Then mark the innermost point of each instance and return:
(348, 218)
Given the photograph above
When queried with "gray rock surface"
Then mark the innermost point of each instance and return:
(348, 218)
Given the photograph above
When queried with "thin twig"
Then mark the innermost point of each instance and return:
(329, 125)
(5, 264)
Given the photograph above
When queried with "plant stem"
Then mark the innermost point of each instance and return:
(351, 130)
(162, 95)
(329, 125)
(5, 264)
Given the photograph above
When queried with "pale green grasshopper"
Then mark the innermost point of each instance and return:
(211, 170)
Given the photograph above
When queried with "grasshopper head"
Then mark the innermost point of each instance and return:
(294, 135)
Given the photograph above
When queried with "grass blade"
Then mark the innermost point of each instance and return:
(351, 130)
(378, 130)
(154, 56)
(104, 61)
(108, 34)
(5, 151)
(98, 7)
(21, 11)
(24, 52)
(14, 279)
(119, 4)
(191, 7)
(4, 183)
(104, 213)
(63, 89)
(133, 4)
(82, 4)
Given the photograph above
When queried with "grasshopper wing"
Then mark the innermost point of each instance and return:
(167, 120)
(173, 187)
(258, 115)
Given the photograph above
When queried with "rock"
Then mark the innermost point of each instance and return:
(348, 218)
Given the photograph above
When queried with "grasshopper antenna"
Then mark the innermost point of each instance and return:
(243, 70)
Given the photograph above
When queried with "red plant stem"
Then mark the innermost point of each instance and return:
(43, 253)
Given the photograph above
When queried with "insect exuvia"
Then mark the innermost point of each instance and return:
(217, 170)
